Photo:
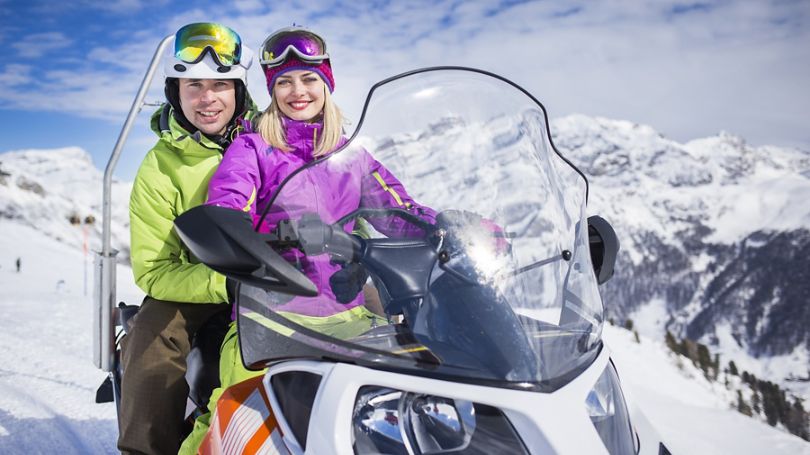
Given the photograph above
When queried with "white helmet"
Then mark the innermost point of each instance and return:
(207, 68)
(208, 51)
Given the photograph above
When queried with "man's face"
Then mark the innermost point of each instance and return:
(209, 104)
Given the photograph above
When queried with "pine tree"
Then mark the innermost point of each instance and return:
(704, 359)
(732, 368)
(755, 400)
(671, 342)
(742, 406)
(798, 420)
(770, 403)
(628, 324)
(688, 349)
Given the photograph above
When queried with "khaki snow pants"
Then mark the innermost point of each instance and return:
(153, 387)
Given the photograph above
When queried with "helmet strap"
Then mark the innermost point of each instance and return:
(172, 92)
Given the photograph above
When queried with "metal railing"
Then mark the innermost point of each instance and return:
(104, 262)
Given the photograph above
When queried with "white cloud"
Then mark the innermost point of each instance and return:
(247, 6)
(124, 6)
(689, 69)
(37, 44)
(14, 74)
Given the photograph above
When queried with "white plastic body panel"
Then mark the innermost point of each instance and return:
(548, 423)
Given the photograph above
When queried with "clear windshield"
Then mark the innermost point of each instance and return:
(474, 242)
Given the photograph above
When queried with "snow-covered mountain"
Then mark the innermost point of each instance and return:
(58, 192)
(715, 239)
(715, 233)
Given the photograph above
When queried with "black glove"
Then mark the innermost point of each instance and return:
(348, 282)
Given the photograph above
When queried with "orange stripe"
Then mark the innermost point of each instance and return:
(263, 433)
(231, 400)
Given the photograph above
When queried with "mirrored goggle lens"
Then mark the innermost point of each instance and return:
(192, 40)
(307, 45)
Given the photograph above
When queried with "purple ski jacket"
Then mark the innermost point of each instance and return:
(251, 172)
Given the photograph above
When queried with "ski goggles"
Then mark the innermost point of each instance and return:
(193, 41)
(307, 46)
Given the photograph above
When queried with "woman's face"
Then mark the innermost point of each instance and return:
(209, 104)
(300, 94)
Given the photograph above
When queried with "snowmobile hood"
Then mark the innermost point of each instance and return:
(476, 247)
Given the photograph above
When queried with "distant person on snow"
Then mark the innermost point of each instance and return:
(18, 265)
(301, 124)
(207, 107)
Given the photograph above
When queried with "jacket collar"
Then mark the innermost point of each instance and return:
(169, 129)
(302, 136)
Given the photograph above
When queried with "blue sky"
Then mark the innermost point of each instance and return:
(688, 69)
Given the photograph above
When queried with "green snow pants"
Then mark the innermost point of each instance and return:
(231, 370)
(154, 389)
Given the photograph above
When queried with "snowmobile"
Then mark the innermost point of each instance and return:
(488, 318)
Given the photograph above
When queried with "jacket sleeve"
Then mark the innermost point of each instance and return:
(381, 189)
(237, 180)
(160, 262)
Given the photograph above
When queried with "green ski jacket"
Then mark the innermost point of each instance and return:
(172, 178)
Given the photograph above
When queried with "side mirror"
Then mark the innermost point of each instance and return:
(604, 247)
(224, 240)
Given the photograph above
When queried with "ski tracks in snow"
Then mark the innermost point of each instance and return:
(47, 378)
(54, 432)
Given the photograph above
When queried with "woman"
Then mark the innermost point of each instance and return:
(300, 125)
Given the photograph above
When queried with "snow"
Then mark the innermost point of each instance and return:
(692, 414)
(44, 188)
(47, 375)
(648, 181)
(781, 369)
(49, 381)
(764, 202)
(650, 320)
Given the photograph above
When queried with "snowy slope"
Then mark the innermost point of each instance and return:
(714, 233)
(45, 188)
(693, 415)
(49, 381)
(715, 237)
(654, 183)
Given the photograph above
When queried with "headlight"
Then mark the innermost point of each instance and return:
(609, 415)
(395, 422)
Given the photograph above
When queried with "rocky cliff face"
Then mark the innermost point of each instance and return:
(59, 192)
(716, 229)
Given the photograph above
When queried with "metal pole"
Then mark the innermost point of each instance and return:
(122, 138)
(104, 292)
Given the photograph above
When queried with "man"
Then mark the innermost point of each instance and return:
(207, 103)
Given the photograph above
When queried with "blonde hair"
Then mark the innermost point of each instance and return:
(271, 128)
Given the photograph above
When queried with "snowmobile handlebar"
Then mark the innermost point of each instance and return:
(224, 240)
